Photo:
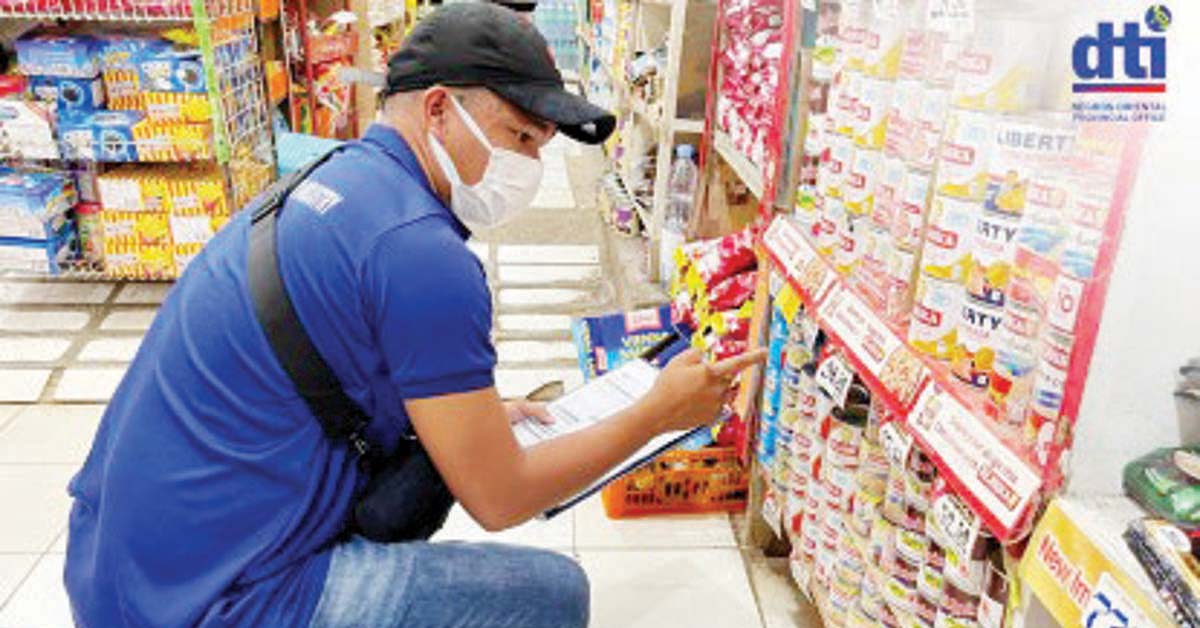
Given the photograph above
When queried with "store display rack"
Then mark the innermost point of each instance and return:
(240, 140)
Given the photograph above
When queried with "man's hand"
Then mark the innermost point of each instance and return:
(520, 409)
(691, 392)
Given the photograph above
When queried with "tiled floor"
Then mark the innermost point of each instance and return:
(64, 348)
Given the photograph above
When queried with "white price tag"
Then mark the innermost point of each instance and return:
(896, 444)
(951, 16)
(959, 526)
(834, 377)
(1109, 607)
(1064, 303)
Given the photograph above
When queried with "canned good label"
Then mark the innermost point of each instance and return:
(1080, 251)
(859, 187)
(962, 172)
(991, 82)
(839, 486)
(882, 45)
(1010, 389)
(993, 249)
(913, 56)
(910, 216)
(1064, 304)
(1051, 378)
(964, 580)
(945, 620)
(917, 493)
(900, 131)
(887, 193)
(1024, 148)
(975, 356)
(1044, 224)
(870, 128)
(934, 328)
(947, 238)
(929, 582)
(902, 269)
(842, 445)
(900, 595)
(912, 545)
(828, 227)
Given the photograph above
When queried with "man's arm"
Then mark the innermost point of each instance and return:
(469, 438)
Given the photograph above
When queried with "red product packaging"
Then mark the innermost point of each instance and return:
(732, 292)
(722, 258)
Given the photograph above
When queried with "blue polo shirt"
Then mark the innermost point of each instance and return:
(210, 496)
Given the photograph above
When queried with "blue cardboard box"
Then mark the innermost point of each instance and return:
(67, 93)
(47, 54)
(171, 71)
(100, 136)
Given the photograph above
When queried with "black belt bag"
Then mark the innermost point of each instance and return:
(405, 497)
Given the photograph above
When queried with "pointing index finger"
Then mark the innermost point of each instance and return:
(732, 366)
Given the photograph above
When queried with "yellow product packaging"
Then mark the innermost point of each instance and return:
(947, 253)
(156, 261)
(152, 228)
(184, 254)
(177, 107)
(174, 141)
(860, 183)
(191, 229)
(123, 90)
(871, 113)
(120, 259)
(962, 170)
(1025, 147)
(934, 327)
(882, 44)
(154, 189)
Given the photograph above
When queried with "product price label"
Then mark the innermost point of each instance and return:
(958, 526)
(896, 444)
(834, 377)
(1064, 304)
(951, 16)
(871, 341)
(1001, 483)
(783, 239)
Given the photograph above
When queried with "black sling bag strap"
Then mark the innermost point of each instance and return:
(340, 417)
(405, 497)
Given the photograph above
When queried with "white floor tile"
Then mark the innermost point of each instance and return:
(22, 384)
(8, 411)
(35, 505)
(539, 274)
(89, 384)
(13, 569)
(60, 546)
(541, 296)
(556, 534)
(781, 603)
(36, 349)
(42, 601)
(548, 254)
(129, 320)
(110, 349)
(510, 351)
(534, 322)
(515, 383)
(553, 199)
(54, 292)
(658, 588)
(45, 320)
(144, 292)
(50, 434)
(594, 530)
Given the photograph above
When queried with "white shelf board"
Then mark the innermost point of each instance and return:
(686, 125)
(746, 170)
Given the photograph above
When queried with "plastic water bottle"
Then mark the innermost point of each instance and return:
(681, 194)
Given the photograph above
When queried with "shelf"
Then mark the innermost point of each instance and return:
(1078, 563)
(749, 173)
(998, 483)
(119, 10)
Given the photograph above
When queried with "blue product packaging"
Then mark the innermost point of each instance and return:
(46, 54)
(113, 134)
(171, 71)
(772, 386)
(78, 141)
(605, 342)
(119, 53)
(69, 94)
(50, 253)
(33, 205)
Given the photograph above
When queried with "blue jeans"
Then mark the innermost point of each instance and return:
(451, 585)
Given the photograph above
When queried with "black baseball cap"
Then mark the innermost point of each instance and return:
(477, 44)
(520, 6)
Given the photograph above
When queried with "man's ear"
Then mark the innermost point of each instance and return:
(435, 108)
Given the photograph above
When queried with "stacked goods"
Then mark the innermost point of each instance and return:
(712, 298)
(878, 539)
(1168, 554)
(155, 219)
(35, 227)
(120, 97)
(968, 213)
(750, 75)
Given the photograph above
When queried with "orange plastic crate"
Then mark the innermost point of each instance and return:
(681, 482)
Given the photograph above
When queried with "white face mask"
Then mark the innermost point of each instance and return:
(507, 188)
